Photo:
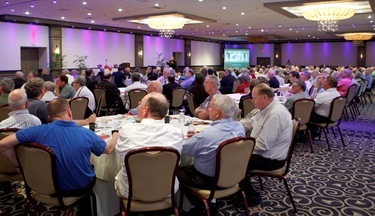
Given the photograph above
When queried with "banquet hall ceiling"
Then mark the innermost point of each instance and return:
(241, 20)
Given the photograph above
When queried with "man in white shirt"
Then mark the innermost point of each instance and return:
(305, 77)
(49, 87)
(164, 79)
(136, 78)
(79, 85)
(323, 104)
(272, 129)
(19, 117)
(151, 131)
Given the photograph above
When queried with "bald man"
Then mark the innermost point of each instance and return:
(151, 131)
(19, 117)
(153, 86)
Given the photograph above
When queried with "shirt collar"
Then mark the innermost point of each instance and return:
(221, 121)
(19, 112)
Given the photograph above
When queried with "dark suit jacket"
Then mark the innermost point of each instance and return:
(90, 84)
(199, 93)
(18, 82)
(112, 93)
(226, 84)
(274, 83)
(172, 64)
(167, 90)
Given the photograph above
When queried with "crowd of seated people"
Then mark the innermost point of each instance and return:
(41, 105)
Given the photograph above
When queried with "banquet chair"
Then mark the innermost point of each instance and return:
(4, 111)
(38, 167)
(236, 83)
(191, 102)
(335, 114)
(361, 98)
(99, 94)
(350, 102)
(8, 171)
(302, 109)
(78, 106)
(151, 178)
(232, 159)
(106, 109)
(247, 107)
(177, 99)
(282, 172)
(135, 96)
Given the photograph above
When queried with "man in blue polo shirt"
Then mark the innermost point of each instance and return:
(72, 145)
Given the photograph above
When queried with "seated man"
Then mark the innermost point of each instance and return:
(48, 95)
(189, 79)
(226, 82)
(153, 86)
(79, 85)
(19, 117)
(299, 92)
(323, 103)
(63, 88)
(168, 88)
(211, 86)
(112, 93)
(34, 89)
(136, 79)
(73, 147)
(203, 146)
(272, 130)
(151, 131)
(6, 86)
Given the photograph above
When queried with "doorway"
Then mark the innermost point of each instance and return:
(263, 61)
(33, 58)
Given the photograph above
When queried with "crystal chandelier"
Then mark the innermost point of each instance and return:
(328, 17)
(166, 24)
(358, 38)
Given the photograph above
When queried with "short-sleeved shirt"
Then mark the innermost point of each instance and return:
(72, 145)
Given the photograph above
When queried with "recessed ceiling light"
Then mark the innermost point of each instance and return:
(156, 5)
(200, 0)
(6, 2)
(262, 30)
(12, 10)
(27, 12)
(280, 25)
(237, 24)
(88, 14)
(224, 8)
(104, 29)
(84, 3)
(242, 13)
(208, 26)
(62, 17)
(120, 10)
(369, 16)
(371, 21)
(32, 6)
(297, 31)
(92, 21)
(55, 2)
(290, 29)
(308, 35)
(139, 27)
(249, 27)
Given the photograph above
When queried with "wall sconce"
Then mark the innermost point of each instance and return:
(140, 52)
(57, 50)
(189, 54)
(277, 55)
(361, 56)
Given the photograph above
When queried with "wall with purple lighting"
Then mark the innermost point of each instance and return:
(100, 47)
(256, 50)
(370, 53)
(205, 53)
(14, 36)
(333, 53)
(154, 46)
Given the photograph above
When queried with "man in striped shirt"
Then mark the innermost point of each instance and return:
(19, 117)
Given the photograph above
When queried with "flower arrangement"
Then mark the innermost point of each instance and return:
(115, 65)
(100, 65)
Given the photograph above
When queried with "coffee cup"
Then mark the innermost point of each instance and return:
(92, 126)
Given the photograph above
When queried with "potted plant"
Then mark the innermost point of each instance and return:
(80, 62)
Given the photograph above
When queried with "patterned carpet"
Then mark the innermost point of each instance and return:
(340, 182)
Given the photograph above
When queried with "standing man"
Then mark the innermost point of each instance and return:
(172, 63)
(151, 131)
(211, 86)
(63, 89)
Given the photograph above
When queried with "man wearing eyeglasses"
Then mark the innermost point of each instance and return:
(298, 90)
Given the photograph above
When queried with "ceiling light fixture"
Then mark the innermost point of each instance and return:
(166, 24)
(357, 38)
(328, 17)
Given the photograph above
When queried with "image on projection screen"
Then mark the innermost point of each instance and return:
(236, 58)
